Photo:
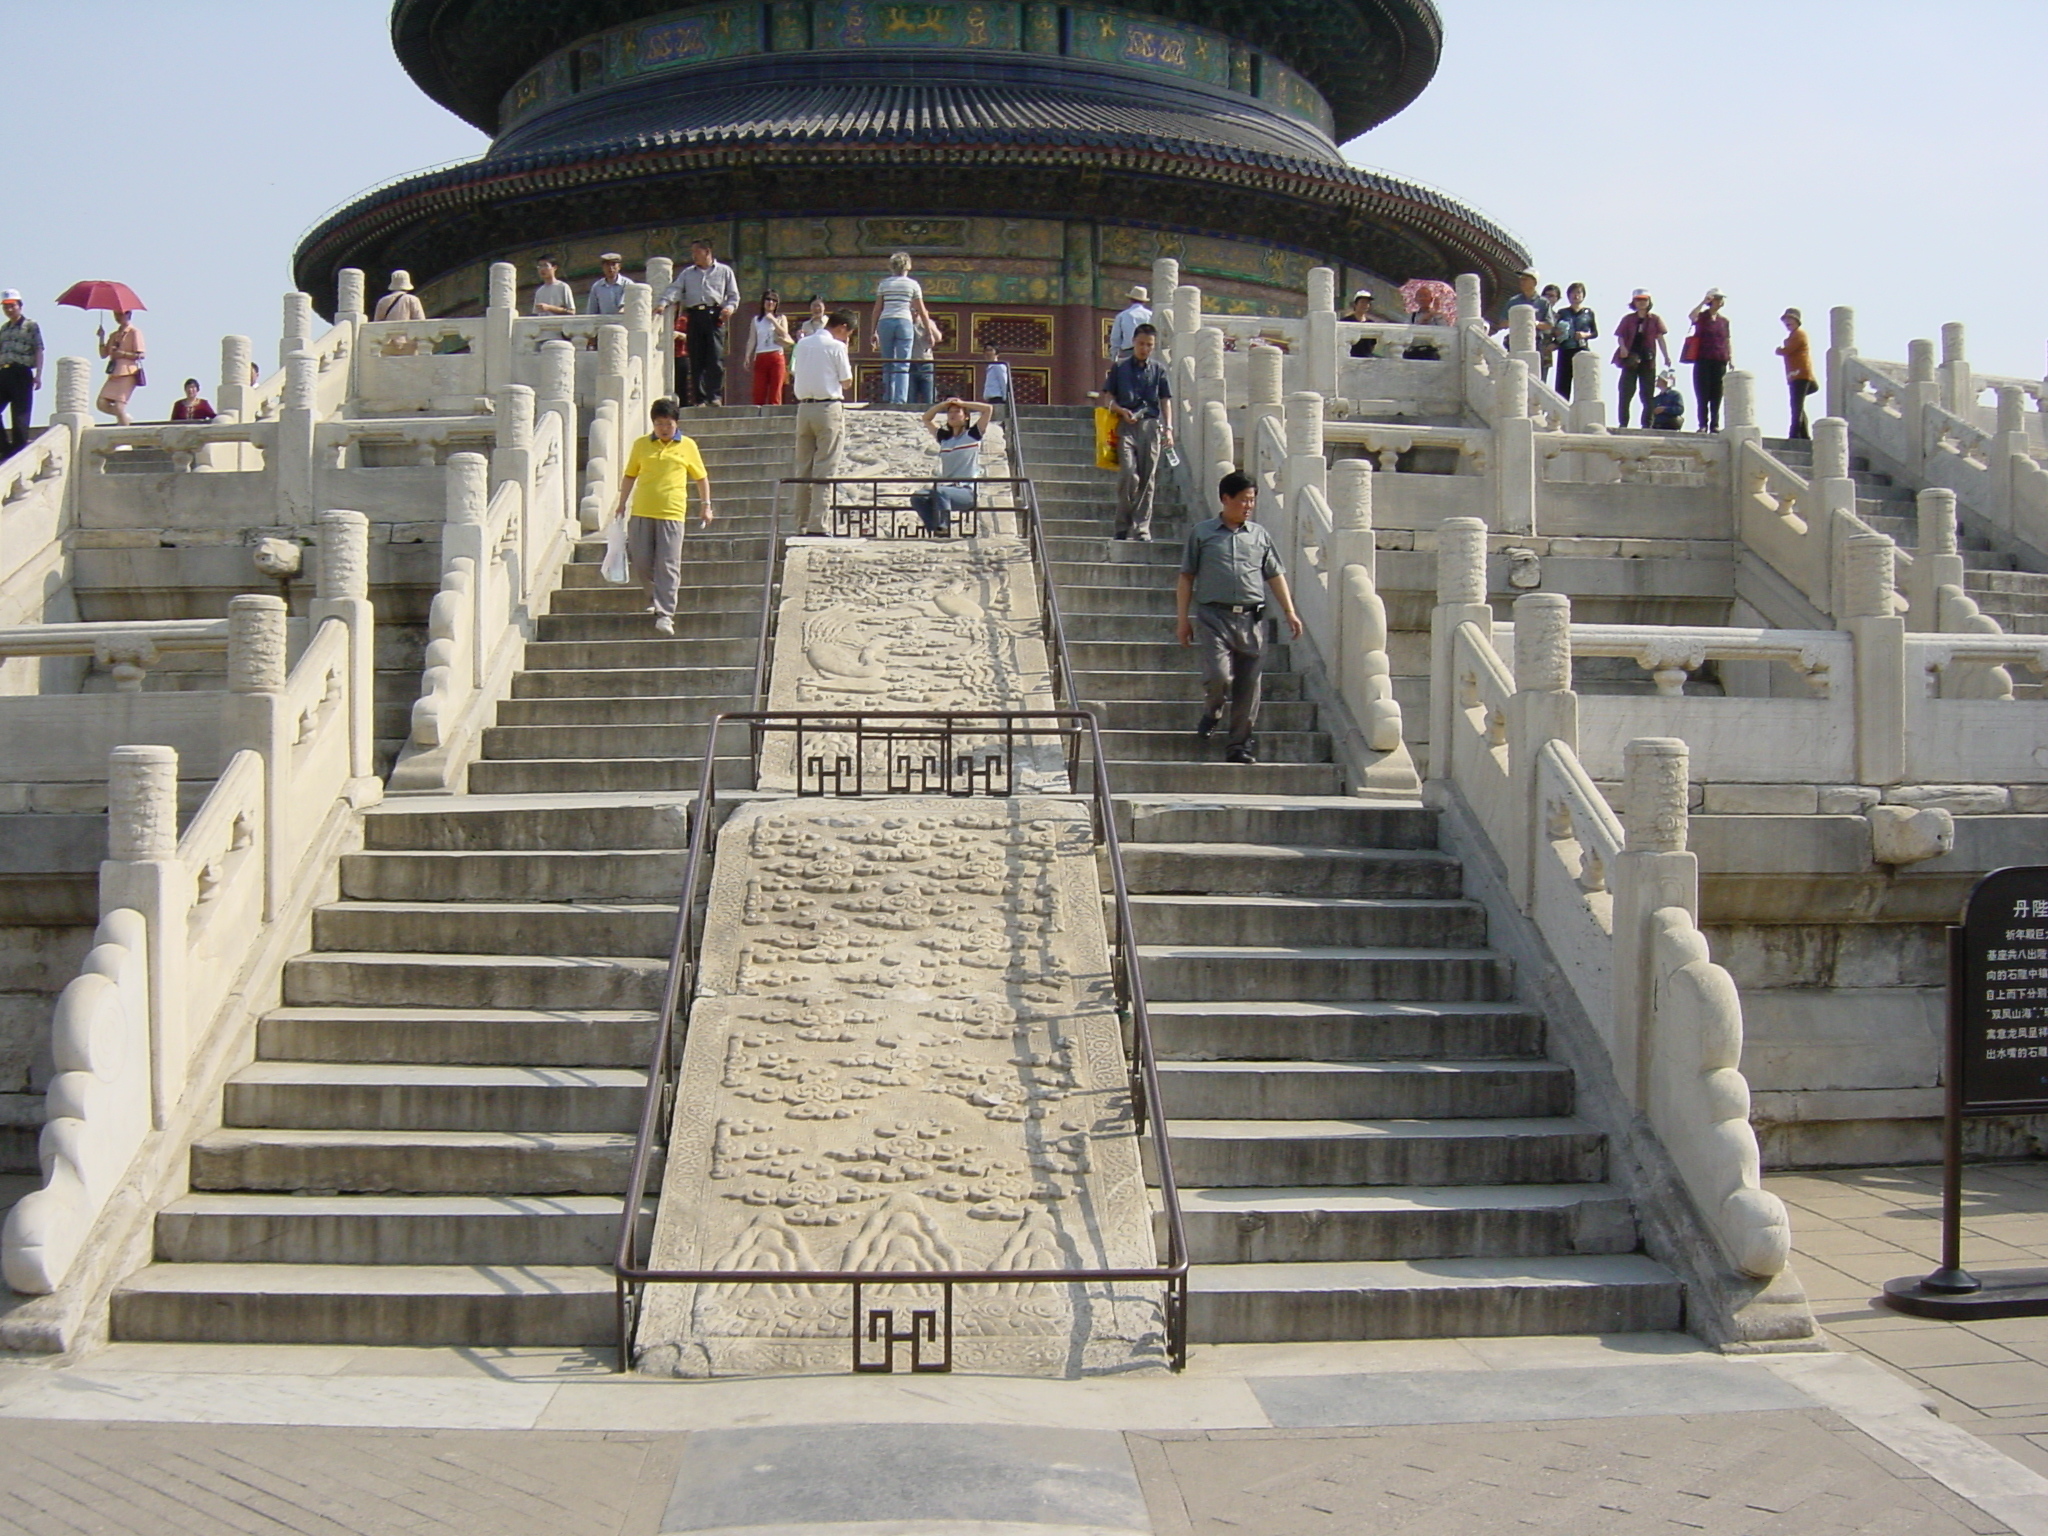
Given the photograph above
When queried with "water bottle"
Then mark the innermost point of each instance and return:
(1172, 457)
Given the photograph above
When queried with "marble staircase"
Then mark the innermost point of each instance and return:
(432, 1143)
(1369, 1137)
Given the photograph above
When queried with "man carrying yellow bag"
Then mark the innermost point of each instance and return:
(1105, 439)
(1138, 395)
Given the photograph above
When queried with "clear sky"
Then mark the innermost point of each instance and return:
(1887, 154)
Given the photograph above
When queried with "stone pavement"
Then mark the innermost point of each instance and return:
(1630, 1434)
(1857, 1228)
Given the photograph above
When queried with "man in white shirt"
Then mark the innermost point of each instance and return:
(1138, 312)
(820, 371)
(552, 296)
(608, 293)
(708, 293)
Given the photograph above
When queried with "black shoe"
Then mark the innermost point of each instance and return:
(1205, 725)
(1241, 755)
(1120, 537)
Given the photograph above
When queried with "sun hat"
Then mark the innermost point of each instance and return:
(1139, 292)
(401, 281)
(605, 256)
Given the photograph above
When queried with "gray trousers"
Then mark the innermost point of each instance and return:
(820, 434)
(654, 551)
(1137, 457)
(1232, 649)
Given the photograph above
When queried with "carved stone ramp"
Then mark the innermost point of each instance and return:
(904, 1056)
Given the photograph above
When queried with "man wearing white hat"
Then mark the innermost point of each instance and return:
(21, 369)
(1138, 312)
(400, 302)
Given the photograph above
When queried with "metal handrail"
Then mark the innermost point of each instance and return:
(1048, 594)
(630, 1269)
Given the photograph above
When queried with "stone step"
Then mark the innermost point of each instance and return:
(1165, 658)
(746, 552)
(1161, 556)
(361, 979)
(701, 570)
(505, 743)
(631, 598)
(1258, 1154)
(691, 624)
(539, 875)
(1262, 919)
(512, 824)
(391, 1229)
(1291, 1030)
(1219, 778)
(1436, 1298)
(652, 653)
(554, 776)
(1320, 1226)
(1077, 577)
(521, 1037)
(1083, 604)
(508, 1306)
(602, 710)
(1364, 1090)
(2031, 603)
(1354, 825)
(340, 1096)
(1181, 684)
(1174, 715)
(497, 927)
(414, 1162)
(1233, 972)
(635, 682)
(1238, 869)
(1099, 627)
(1183, 746)
(2029, 582)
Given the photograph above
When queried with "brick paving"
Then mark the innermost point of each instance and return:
(1854, 1229)
(72, 1479)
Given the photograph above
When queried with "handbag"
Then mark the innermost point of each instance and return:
(616, 568)
(1689, 352)
(1106, 438)
(1622, 357)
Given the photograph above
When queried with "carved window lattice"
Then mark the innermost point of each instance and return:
(1014, 333)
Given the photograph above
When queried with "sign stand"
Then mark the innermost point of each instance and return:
(1997, 1064)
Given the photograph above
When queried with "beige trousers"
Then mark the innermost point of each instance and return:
(820, 434)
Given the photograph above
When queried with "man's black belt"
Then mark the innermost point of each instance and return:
(819, 400)
(705, 309)
(1256, 610)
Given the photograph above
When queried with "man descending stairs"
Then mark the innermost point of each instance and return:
(432, 1144)
(1368, 1136)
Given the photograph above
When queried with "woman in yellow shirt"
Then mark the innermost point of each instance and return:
(657, 484)
(1799, 379)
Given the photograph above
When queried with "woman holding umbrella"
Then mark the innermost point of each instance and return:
(122, 350)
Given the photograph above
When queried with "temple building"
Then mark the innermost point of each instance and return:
(1034, 158)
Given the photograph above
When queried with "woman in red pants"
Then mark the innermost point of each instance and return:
(768, 344)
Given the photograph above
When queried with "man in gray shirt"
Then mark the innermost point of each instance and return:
(1226, 571)
(608, 293)
(708, 293)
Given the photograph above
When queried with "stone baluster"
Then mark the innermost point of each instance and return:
(2010, 445)
(142, 873)
(1958, 384)
(1654, 870)
(1841, 352)
(1471, 307)
(1187, 312)
(1544, 708)
(1305, 468)
(344, 593)
(501, 308)
(1351, 533)
(297, 333)
(661, 271)
(1215, 429)
(297, 427)
(613, 359)
(1363, 671)
(351, 297)
(555, 395)
(1879, 634)
(599, 470)
(512, 463)
(1923, 389)
(1937, 561)
(1589, 392)
(1263, 385)
(645, 376)
(255, 721)
(1834, 496)
(1218, 447)
(1522, 342)
(1319, 332)
(1514, 459)
(1165, 280)
(1460, 599)
(237, 360)
(72, 405)
(463, 536)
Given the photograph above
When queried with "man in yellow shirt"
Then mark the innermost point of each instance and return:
(657, 483)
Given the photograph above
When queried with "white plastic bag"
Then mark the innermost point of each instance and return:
(616, 568)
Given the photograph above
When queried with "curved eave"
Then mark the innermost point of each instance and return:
(360, 234)
(466, 54)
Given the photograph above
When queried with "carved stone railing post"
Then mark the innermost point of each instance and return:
(1215, 429)
(351, 302)
(1471, 306)
(1460, 599)
(1937, 562)
(1187, 312)
(1165, 279)
(1834, 498)
(555, 395)
(661, 271)
(296, 334)
(1363, 671)
(1655, 869)
(463, 537)
(1319, 332)
(1589, 391)
(613, 353)
(1870, 616)
(344, 594)
(644, 375)
(1263, 373)
(256, 722)
(512, 463)
(1351, 535)
(501, 308)
(1217, 443)
(1958, 384)
(1522, 340)
(1923, 389)
(1841, 352)
(72, 410)
(142, 873)
(1304, 467)
(1544, 708)
(237, 362)
(2009, 447)
(600, 469)
(1514, 459)
(297, 425)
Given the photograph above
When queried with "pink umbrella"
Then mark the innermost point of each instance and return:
(101, 294)
(1425, 295)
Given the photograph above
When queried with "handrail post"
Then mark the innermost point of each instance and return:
(661, 271)
(1937, 562)
(1879, 635)
(1958, 384)
(1460, 599)
(1544, 708)
(296, 333)
(1319, 332)
(1653, 870)
(1589, 391)
(297, 427)
(143, 873)
(1834, 500)
(1165, 280)
(237, 362)
(2009, 447)
(501, 307)
(1514, 444)
(256, 722)
(1841, 353)
(344, 594)
(1923, 389)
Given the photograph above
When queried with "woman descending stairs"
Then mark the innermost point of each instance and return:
(1369, 1138)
